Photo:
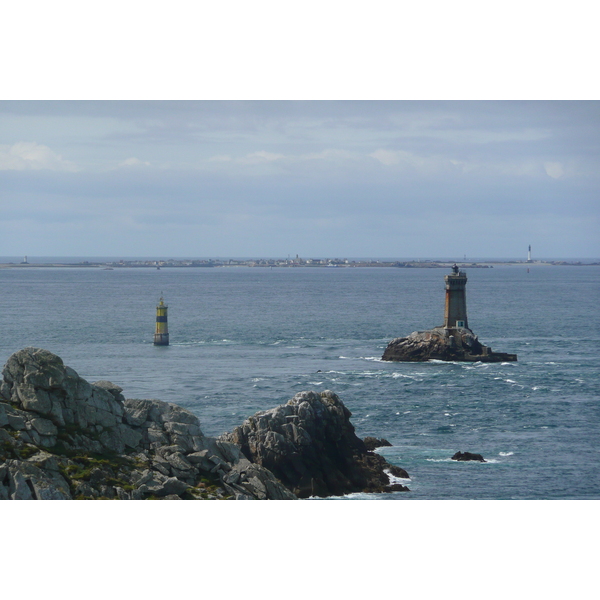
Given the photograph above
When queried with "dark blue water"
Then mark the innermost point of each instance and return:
(244, 340)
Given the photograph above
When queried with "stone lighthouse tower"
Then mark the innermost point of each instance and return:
(454, 341)
(161, 336)
(455, 312)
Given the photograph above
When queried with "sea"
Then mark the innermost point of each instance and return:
(248, 339)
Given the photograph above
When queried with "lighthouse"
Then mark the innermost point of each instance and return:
(455, 312)
(529, 254)
(161, 336)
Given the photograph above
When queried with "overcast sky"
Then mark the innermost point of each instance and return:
(415, 179)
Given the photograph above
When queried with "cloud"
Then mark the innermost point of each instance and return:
(330, 154)
(267, 176)
(554, 169)
(492, 166)
(396, 157)
(261, 157)
(134, 162)
(24, 156)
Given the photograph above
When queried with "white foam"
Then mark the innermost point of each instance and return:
(505, 453)
(403, 376)
(394, 479)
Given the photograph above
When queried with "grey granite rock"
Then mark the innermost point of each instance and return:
(62, 437)
(87, 441)
(310, 445)
(442, 343)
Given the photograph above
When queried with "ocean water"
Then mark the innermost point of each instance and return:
(248, 339)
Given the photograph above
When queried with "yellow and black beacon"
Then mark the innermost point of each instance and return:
(161, 336)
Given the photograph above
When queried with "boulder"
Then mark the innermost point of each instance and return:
(468, 456)
(397, 471)
(372, 443)
(310, 445)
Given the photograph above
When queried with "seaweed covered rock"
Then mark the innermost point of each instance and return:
(310, 445)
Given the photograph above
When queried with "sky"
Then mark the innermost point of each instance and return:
(405, 179)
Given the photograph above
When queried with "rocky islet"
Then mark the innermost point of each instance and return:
(440, 343)
(453, 341)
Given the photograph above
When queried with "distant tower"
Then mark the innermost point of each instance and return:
(161, 337)
(455, 313)
(529, 254)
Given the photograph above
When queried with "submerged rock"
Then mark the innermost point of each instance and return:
(310, 445)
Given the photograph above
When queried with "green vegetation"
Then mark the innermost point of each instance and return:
(17, 451)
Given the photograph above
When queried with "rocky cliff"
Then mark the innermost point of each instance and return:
(442, 343)
(64, 438)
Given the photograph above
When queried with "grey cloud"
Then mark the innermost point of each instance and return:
(262, 174)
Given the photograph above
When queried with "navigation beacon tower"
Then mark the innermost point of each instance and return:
(455, 312)
(529, 254)
(161, 336)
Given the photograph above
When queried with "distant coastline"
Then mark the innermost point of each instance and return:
(291, 263)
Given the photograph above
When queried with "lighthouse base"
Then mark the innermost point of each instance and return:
(161, 339)
(443, 343)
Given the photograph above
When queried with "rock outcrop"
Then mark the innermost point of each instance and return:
(464, 456)
(310, 445)
(453, 341)
(372, 443)
(62, 438)
(442, 343)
